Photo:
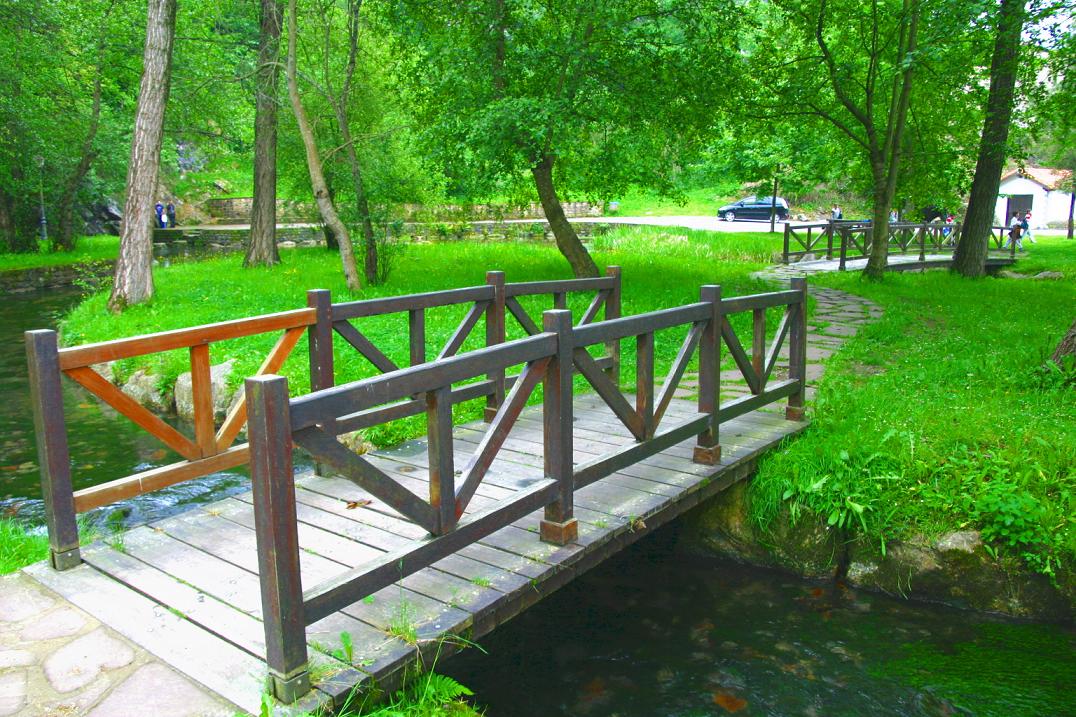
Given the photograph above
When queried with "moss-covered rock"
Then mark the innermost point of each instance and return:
(722, 527)
(958, 570)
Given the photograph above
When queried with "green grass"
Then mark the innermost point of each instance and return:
(95, 248)
(941, 417)
(701, 201)
(661, 268)
(18, 547)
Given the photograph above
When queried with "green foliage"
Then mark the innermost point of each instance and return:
(20, 547)
(936, 418)
(96, 248)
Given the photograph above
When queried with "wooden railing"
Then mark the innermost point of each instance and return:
(550, 356)
(852, 240)
(211, 449)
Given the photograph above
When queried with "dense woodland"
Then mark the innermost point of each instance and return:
(366, 106)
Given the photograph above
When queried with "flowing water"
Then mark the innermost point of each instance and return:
(645, 635)
(103, 444)
(649, 634)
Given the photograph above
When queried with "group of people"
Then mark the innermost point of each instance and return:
(166, 216)
(1019, 228)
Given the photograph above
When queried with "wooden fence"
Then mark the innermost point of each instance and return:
(852, 240)
(550, 355)
(211, 449)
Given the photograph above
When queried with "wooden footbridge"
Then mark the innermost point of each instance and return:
(318, 582)
(839, 245)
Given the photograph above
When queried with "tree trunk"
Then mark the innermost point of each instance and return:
(878, 257)
(133, 281)
(262, 250)
(563, 231)
(773, 205)
(362, 203)
(1067, 347)
(969, 259)
(1072, 208)
(65, 234)
(313, 163)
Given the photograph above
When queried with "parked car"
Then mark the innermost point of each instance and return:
(756, 208)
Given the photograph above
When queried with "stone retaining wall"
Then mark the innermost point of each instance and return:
(18, 281)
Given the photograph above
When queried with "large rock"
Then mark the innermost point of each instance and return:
(222, 394)
(722, 527)
(956, 569)
(144, 388)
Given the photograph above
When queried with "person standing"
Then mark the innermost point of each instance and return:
(1026, 225)
(1016, 230)
(159, 208)
(170, 210)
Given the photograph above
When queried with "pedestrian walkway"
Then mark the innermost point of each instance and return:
(58, 661)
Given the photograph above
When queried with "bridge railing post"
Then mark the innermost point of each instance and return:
(829, 241)
(787, 231)
(708, 446)
(559, 525)
(612, 311)
(320, 345)
(844, 247)
(276, 530)
(46, 394)
(797, 350)
(495, 334)
(923, 242)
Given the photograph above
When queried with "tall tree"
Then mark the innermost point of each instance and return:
(583, 96)
(262, 250)
(970, 256)
(313, 161)
(133, 280)
(853, 66)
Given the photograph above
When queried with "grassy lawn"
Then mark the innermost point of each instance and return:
(661, 268)
(95, 248)
(942, 415)
(702, 201)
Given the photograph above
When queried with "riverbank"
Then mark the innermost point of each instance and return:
(941, 459)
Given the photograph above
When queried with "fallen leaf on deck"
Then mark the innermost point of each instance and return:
(729, 703)
(352, 504)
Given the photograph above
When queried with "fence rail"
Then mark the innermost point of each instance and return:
(211, 448)
(551, 357)
(853, 239)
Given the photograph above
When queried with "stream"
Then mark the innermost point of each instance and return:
(648, 633)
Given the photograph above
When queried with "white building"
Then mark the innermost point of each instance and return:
(1037, 189)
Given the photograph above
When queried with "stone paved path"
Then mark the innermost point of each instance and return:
(57, 661)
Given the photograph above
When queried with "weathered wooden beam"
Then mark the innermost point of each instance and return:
(364, 346)
(53, 457)
(651, 321)
(708, 448)
(87, 354)
(395, 304)
(276, 528)
(495, 334)
(797, 351)
(612, 311)
(442, 461)
(559, 525)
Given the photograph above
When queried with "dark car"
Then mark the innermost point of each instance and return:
(757, 208)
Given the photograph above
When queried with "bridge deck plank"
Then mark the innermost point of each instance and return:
(201, 567)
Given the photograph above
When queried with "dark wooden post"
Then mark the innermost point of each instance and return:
(758, 343)
(797, 350)
(788, 229)
(612, 311)
(276, 527)
(829, 242)
(708, 447)
(442, 463)
(46, 394)
(416, 336)
(321, 340)
(495, 335)
(844, 247)
(559, 526)
(923, 243)
(644, 381)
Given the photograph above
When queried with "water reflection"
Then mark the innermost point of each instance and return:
(650, 635)
(103, 444)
